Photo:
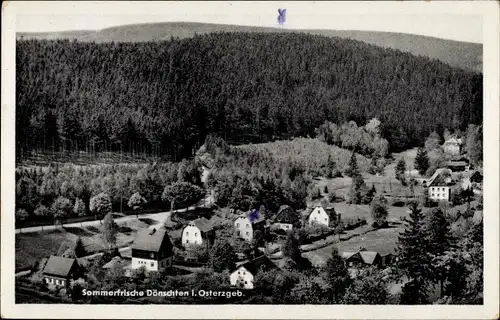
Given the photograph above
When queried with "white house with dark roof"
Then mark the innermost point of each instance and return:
(152, 249)
(245, 227)
(439, 185)
(59, 271)
(243, 276)
(198, 232)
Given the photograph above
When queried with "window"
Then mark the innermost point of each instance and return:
(187, 241)
(57, 281)
(239, 272)
(62, 282)
(244, 273)
(238, 225)
(152, 264)
(187, 233)
(248, 226)
(152, 255)
(247, 234)
(195, 234)
(433, 194)
(238, 232)
(246, 282)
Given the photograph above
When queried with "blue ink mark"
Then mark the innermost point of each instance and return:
(254, 215)
(281, 16)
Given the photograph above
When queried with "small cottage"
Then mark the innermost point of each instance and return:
(286, 219)
(198, 232)
(363, 257)
(243, 276)
(247, 223)
(152, 249)
(59, 271)
(453, 146)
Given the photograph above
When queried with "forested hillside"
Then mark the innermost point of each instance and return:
(165, 97)
(464, 55)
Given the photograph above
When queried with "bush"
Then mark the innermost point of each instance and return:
(398, 203)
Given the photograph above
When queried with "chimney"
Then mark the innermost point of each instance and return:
(152, 232)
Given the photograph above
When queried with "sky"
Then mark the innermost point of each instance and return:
(456, 26)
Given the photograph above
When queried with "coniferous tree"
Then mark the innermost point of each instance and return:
(79, 248)
(400, 170)
(439, 242)
(412, 258)
(336, 277)
(421, 161)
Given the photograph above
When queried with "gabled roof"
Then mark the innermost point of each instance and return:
(253, 266)
(202, 223)
(115, 261)
(150, 239)
(260, 217)
(58, 266)
(368, 256)
(438, 173)
(286, 215)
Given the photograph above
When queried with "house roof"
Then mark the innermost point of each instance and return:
(202, 223)
(260, 217)
(453, 140)
(115, 261)
(253, 266)
(456, 163)
(368, 256)
(149, 239)
(438, 173)
(58, 266)
(286, 215)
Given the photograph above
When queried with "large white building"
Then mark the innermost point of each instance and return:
(152, 249)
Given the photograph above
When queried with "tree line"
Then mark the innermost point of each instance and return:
(164, 97)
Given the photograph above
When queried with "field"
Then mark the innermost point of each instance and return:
(463, 55)
(31, 247)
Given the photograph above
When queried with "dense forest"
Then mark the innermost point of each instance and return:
(164, 97)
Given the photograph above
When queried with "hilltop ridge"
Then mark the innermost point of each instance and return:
(464, 55)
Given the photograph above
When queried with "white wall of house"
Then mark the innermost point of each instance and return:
(439, 193)
(151, 264)
(243, 228)
(319, 216)
(55, 282)
(191, 235)
(452, 148)
(241, 277)
(283, 226)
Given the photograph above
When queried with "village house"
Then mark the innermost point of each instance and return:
(439, 185)
(198, 232)
(243, 276)
(59, 271)
(246, 224)
(364, 258)
(286, 219)
(324, 216)
(453, 146)
(152, 249)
